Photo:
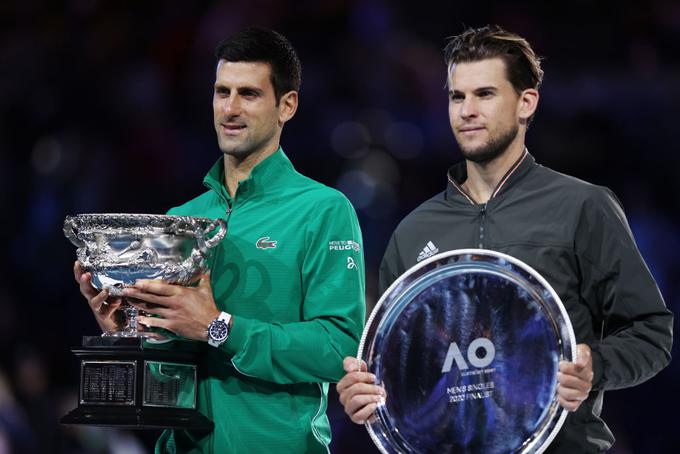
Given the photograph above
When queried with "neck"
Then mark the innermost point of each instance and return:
(483, 178)
(238, 169)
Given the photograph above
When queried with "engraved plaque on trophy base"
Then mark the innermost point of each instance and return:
(133, 383)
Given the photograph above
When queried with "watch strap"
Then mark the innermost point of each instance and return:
(224, 317)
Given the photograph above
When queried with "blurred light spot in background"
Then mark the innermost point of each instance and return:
(350, 139)
(381, 167)
(376, 121)
(404, 140)
(383, 203)
(47, 155)
(358, 186)
(371, 186)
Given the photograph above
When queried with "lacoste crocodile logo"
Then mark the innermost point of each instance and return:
(266, 243)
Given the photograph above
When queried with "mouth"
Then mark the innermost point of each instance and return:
(470, 130)
(232, 129)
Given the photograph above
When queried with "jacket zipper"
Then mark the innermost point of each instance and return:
(208, 390)
(217, 251)
(482, 212)
(226, 226)
(226, 221)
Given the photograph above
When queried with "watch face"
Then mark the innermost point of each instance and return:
(218, 330)
(467, 346)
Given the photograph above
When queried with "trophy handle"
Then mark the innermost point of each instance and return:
(221, 232)
(70, 232)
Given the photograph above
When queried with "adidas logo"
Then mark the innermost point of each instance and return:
(428, 251)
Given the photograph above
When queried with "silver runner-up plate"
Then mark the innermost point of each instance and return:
(466, 345)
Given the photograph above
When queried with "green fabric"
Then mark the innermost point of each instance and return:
(297, 303)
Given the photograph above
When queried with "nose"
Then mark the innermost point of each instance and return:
(231, 106)
(468, 108)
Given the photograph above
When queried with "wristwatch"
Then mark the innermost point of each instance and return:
(218, 330)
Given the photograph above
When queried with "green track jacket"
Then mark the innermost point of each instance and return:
(291, 272)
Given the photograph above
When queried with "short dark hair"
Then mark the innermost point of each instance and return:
(255, 44)
(523, 66)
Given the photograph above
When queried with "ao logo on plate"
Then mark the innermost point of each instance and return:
(479, 345)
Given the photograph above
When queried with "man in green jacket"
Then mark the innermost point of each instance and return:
(284, 301)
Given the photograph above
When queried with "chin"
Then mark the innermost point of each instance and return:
(490, 150)
(235, 149)
(481, 154)
(237, 153)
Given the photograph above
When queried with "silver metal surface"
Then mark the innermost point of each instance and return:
(119, 249)
(467, 346)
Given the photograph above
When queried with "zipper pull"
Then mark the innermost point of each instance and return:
(482, 213)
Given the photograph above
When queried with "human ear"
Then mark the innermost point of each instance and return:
(287, 106)
(527, 104)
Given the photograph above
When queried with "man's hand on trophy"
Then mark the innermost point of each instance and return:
(358, 393)
(186, 311)
(575, 380)
(103, 307)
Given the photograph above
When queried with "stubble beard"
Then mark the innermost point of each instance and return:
(249, 145)
(238, 150)
(492, 149)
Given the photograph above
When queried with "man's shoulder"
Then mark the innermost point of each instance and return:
(423, 214)
(313, 191)
(572, 188)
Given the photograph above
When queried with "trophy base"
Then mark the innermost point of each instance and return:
(138, 418)
(147, 335)
(136, 383)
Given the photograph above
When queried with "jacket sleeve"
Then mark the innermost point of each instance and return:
(332, 309)
(636, 326)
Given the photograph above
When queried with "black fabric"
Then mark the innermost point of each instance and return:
(574, 234)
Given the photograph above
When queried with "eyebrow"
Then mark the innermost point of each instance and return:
(489, 88)
(475, 91)
(258, 91)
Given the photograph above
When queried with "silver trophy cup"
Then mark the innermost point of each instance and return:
(119, 249)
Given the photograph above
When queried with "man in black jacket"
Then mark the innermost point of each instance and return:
(573, 233)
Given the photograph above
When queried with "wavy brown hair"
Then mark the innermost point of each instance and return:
(523, 66)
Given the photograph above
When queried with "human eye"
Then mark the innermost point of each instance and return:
(485, 94)
(221, 91)
(249, 93)
(456, 97)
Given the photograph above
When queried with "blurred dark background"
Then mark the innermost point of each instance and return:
(106, 107)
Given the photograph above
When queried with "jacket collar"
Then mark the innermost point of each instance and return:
(266, 175)
(457, 175)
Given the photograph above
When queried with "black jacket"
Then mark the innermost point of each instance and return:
(576, 235)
